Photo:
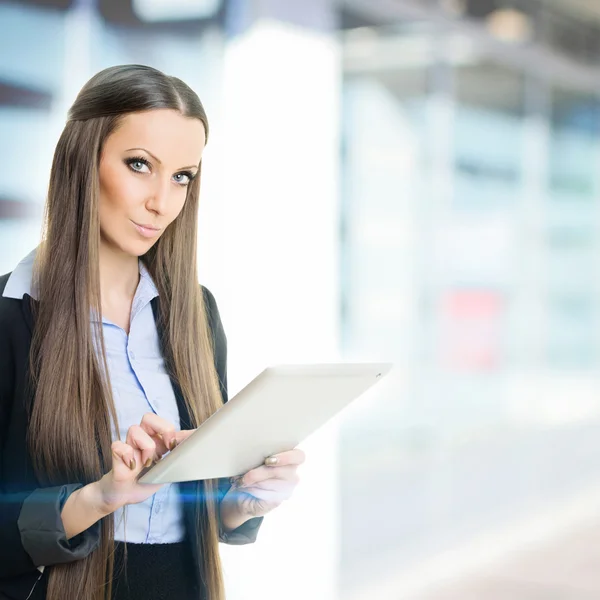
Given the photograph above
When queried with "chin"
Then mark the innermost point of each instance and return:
(135, 248)
(141, 248)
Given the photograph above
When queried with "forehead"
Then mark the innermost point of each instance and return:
(173, 138)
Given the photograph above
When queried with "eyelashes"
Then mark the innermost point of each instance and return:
(140, 159)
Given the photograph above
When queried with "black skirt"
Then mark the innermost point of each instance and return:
(155, 572)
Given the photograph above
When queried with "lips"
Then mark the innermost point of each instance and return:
(146, 231)
(145, 226)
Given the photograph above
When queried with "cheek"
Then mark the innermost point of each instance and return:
(120, 197)
(174, 205)
(118, 192)
(178, 204)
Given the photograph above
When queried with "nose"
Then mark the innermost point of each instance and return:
(158, 199)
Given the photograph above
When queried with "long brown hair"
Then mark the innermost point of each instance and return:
(69, 432)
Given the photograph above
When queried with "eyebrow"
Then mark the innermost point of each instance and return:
(158, 159)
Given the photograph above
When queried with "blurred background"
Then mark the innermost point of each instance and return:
(414, 181)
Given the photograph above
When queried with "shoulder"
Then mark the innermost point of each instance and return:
(212, 313)
(209, 298)
(9, 307)
(3, 281)
(211, 305)
(12, 324)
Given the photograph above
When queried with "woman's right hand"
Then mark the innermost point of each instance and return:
(145, 443)
(148, 441)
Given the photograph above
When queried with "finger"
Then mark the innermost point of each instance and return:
(125, 458)
(291, 457)
(283, 486)
(162, 431)
(183, 435)
(138, 438)
(263, 473)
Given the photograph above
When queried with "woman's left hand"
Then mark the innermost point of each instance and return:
(261, 490)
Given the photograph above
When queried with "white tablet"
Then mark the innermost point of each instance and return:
(276, 411)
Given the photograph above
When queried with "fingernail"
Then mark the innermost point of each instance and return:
(132, 464)
(173, 443)
(148, 462)
(272, 460)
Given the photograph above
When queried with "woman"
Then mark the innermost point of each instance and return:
(111, 354)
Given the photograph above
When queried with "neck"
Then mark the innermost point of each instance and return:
(119, 274)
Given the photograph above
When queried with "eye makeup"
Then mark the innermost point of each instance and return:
(141, 159)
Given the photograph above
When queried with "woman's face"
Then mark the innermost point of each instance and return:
(145, 169)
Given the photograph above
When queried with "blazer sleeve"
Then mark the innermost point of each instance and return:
(248, 531)
(31, 528)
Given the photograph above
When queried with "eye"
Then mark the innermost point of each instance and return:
(184, 179)
(137, 164)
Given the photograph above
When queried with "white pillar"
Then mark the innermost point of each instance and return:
(269, 244)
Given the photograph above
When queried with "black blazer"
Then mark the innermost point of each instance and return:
(31, 529)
